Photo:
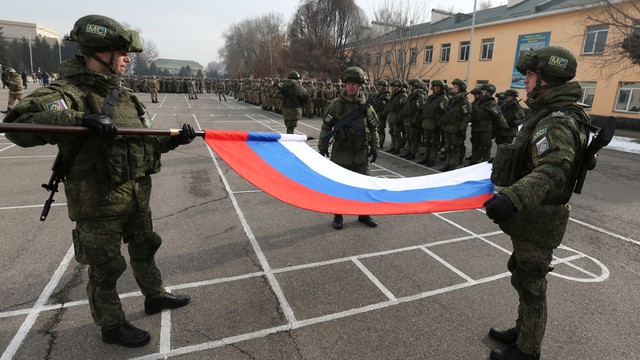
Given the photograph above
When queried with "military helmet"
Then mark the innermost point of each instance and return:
(10, 70)
(462, 85)
(293, 75)
(501, 96)
(415, 82)
(511, 92)
(489, 88)
(555, 64)
(437, 83)
(397, 83)
(97, 33)
(353, 74)
(476, 91)
(383, 82)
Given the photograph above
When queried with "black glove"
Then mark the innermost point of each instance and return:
(187, 134)
(324, 152)
(500, 208)
(373, 155)
(101, 125)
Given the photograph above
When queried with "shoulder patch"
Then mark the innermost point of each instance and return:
(539, 133)
(558, 114)
(542, 145)
(57, 105)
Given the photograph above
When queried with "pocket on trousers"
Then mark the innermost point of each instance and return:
(79, 249)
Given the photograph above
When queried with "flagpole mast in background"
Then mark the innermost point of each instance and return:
(473, 25)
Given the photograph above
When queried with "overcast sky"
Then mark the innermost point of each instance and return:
(186, 30)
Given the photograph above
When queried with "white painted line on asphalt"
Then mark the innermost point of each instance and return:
(599, 229)
(275, 286)
(374, 279)
(187, 101)
(165, 331)
(8, 147)
(29, 206)
(17, 340)
(448, 265)
(162, 102)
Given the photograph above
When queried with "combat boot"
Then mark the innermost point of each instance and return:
(367, 220)
(446, 168)
(165, 301)
(4, 111)
(393, 151)
(337, 222)
(126, 335)
(423, 161)
(507, 336)
(512, 352)
(411, 156)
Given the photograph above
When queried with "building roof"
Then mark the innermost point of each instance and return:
(514, 10)
(177, 64)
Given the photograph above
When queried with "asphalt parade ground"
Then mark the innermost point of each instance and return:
(271, 281)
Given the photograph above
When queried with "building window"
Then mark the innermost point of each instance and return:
(414, 56)
(487, 49)
(628, 97)
(388, 57)
(401, 57)
(446, 52)
(588, 92)
(465, 46)
(377, 60)
(595, 39)
(428, 54)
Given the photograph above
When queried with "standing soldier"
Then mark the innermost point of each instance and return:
(455, 120)
(538, 172)
(485, 119)
(392, 110)
(379, 107)
(353, 150)
(14, 82)
(108, 186)
(220, 90)
(432, 110)
(514, 114)
(154, 84)
(294, 96)
(328, 94)
(411, 119)
(311, 91)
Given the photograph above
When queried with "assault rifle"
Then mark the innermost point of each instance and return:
(348, 121)
(600, 140)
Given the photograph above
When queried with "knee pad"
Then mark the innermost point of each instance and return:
(145, 248)
(107, 274)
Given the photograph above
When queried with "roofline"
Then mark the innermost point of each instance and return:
(504, 21)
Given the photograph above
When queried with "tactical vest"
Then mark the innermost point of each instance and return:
(513, 161)
(125, 157)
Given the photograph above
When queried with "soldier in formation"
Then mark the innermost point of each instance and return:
(432, 110)
(294, 96)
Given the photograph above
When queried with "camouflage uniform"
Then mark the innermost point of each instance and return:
(294, 96)
(485, 116)
(220, 90)
(108, 185)
(14, 82)
(153, 89)
(392, 110)
(432, 110)
(538, 172)
(411, 119)
(379, 107)
(454, 122)
(514, 114)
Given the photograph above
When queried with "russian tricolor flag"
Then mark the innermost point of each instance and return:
(285, 167)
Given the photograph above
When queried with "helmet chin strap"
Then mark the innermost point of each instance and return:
(105, 64)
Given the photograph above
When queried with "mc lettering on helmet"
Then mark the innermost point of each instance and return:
(96, 29)
(558, 61)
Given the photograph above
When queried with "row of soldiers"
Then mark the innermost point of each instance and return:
(439, 121)
(173, 84)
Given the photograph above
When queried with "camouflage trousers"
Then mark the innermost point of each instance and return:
(382, 132)
(480, 146)
(13, 97)
(535, 233)
(97, 243)
(455, 148)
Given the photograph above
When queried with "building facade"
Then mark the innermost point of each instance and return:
(484, 49)
(173, 66)
(15, 30)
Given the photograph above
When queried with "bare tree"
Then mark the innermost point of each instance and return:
(319, 32)
(397, 42)
(622, 19)
(245, 44)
